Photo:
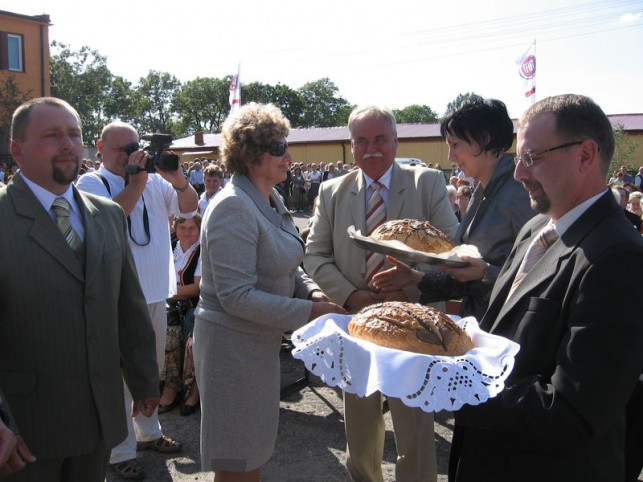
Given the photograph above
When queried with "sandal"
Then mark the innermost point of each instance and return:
(164, 445)
(129, 469)
(168, 407)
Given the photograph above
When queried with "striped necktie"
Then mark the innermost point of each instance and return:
(62, 209)
(375, 215)
(545, 238)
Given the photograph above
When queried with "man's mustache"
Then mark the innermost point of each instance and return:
(531, 184)
(374, 154)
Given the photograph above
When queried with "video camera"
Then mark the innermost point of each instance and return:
(157, 143)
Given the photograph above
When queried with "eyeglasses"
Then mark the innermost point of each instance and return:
(277, 149)
(528, 158)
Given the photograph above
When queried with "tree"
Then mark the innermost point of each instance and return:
(11, 97)
(82, 79)
(323, 107)
(157, 91)
(457, 102)
(202, 105)
(287, 99)
(123, 103)
(624, 147)
(415, 113)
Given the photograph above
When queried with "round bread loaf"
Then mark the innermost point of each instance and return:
(411, 327)
(415, 234)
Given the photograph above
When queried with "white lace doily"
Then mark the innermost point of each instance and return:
(432, 383)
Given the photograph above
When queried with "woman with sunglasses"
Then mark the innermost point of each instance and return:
(252, 290)
(478, 134)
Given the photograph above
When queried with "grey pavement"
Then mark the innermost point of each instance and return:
(310, 444)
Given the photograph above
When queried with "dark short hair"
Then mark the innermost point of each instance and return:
(579, 118)
(484, 121)
(213, 171)
(20, 119)
(180, 220)
(247, 132)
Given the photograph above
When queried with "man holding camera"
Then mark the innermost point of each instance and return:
(147, 200)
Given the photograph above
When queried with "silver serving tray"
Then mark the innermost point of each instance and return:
(399, 250)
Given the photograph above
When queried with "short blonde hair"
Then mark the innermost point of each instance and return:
(246, 133)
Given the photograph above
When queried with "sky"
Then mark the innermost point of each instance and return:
(393, 54)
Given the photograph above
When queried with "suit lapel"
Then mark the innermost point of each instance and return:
(280, 216)
(43, 231)
(94, 235)
(358, 203)
(396, 194)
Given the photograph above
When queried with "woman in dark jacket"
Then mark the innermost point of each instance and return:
(479, 134)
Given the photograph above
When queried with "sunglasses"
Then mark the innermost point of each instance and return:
(276, 149)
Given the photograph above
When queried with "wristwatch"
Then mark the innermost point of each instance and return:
(182, 189)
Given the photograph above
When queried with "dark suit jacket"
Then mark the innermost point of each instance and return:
(561, 415)
(65, 330)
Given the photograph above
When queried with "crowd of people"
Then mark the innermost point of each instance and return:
(190, 276)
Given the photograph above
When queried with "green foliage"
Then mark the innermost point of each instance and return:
(415, 113)
(202, 104)
(82, 79)
(623, 149)
(10, 98)
(455, 103)
(157, 91)
(323, 107)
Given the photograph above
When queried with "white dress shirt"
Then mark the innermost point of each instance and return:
(154, 261)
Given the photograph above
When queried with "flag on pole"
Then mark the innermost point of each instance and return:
(235, 92)
(527, 70)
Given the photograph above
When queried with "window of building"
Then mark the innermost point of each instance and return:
(14, 52)
(11, 52)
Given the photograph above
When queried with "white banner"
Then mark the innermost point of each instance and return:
(235, 93)
(527, 70)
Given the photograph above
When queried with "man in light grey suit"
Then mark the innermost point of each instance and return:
(338, 266)
(73, 318)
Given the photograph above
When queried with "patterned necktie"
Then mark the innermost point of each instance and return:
(545, 238)
(62, 209)
(375, 215)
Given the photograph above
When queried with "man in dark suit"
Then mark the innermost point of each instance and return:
(73, 321)
(561, 416)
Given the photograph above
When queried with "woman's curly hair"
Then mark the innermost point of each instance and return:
(247, 133)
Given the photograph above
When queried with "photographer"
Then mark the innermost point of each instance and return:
(148, 199)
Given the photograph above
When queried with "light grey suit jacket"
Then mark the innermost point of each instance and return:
(250, 253)
(65, 331)
(337, 264)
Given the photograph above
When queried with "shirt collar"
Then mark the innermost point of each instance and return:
(46, 198)
(571, 216)
(384, 180)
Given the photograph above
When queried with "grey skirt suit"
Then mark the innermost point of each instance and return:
(252, 289)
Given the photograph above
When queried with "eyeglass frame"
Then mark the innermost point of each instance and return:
(530, 157)
(276, 149)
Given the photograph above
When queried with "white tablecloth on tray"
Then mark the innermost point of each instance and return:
(432, 383)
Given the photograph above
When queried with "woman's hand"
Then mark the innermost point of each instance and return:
(396, 278)
(474, 271)
(324, 307)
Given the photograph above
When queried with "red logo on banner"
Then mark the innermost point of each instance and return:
(528, 67)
